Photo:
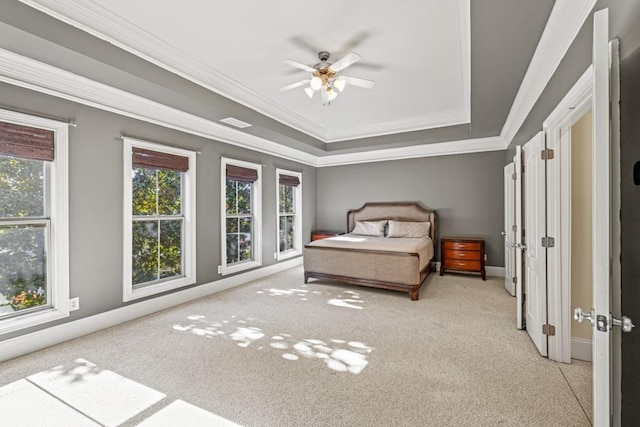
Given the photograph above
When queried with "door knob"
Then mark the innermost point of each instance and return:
(624, 322)
(580, 315)
(503, 233)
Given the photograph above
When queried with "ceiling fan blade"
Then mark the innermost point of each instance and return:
(294, 85)
(368, 84)
(345, 61)
(299, 65)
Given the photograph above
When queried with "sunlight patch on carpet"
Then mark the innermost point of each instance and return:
(102, 395)
(337, 354)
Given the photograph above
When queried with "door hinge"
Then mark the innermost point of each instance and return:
(549, 330)
(514, 176)
(547, 154)
(514, 279)
(522, 168)
(514, 228)
(548, 242)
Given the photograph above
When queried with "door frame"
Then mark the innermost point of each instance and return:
(557, 127)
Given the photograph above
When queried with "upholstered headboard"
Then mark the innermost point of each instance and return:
(398, 211)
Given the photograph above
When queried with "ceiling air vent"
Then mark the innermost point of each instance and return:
(235, 122)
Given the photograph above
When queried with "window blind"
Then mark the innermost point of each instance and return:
(238, 173)
(26, 142)
(289, 180)
(156, 160)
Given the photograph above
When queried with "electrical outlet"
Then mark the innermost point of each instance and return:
(74, 304)
(219, 269)
(275, 255)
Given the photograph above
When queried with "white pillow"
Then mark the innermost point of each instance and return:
(408, 229)
(370, 228)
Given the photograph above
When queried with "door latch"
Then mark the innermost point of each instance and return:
(624, 322)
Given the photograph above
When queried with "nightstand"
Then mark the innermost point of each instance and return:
(319, 234)
(463, 254)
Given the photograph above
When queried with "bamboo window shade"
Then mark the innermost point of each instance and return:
(238, 173)
(26, 142)
(156, 160)
(289, 180)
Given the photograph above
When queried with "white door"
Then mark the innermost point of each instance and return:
(535, 258)
(509, 233)
(601, 338)
(519, 233)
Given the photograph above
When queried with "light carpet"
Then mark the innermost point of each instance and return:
(277, 352)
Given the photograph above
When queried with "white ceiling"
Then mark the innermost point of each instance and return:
(424, 56)
(418, 55)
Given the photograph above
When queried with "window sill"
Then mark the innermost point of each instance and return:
(28, 320)
(158, 288)
(288, 254)
(242, 266)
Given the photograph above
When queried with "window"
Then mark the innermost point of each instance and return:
(34, 251)
(241, 215)
(289, 226)
(159, 232)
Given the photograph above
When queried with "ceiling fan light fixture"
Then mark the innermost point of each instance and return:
(339, 84)
(309, 91)
(316, 83)
(331, 94)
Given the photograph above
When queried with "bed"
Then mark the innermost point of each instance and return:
(389, 261)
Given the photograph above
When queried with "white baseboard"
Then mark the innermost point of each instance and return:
(18, 346)
(490, 270)
(581, 349)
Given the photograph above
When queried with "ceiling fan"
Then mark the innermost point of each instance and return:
(325, 77)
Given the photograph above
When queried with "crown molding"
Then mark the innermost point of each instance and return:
(565, 21)
(466, 146)
(92, 18)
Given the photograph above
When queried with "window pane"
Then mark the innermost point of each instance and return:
(169, 192)
(231, 200)
(290, 231)
(22, 267)
(232, 225)
(21, 187)
(244, 239)
(244, 197)
(232, 248)
(286, 199)
(145, 251)
(170, 248)
(283, 233)
(144, 190)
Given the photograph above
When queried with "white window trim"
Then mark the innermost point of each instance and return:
(189, 211)
(256, 200)
(297, 237)
(58, 256)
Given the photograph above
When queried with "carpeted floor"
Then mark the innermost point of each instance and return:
(277, 352)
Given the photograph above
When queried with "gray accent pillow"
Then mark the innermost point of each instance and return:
(370, 228)
(408, 229)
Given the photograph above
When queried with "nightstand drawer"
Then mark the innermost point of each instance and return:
(467, 246)
(470, 255)
(456, 264)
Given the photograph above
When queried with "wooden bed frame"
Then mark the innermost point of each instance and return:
(399, 211)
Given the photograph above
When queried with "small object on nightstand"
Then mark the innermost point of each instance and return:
(464, 254)
(318, 234)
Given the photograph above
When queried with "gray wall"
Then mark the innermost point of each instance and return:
(95, 194)
(466, 191)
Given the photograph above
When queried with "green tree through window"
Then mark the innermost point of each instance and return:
(23, 235)
(158, 224)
